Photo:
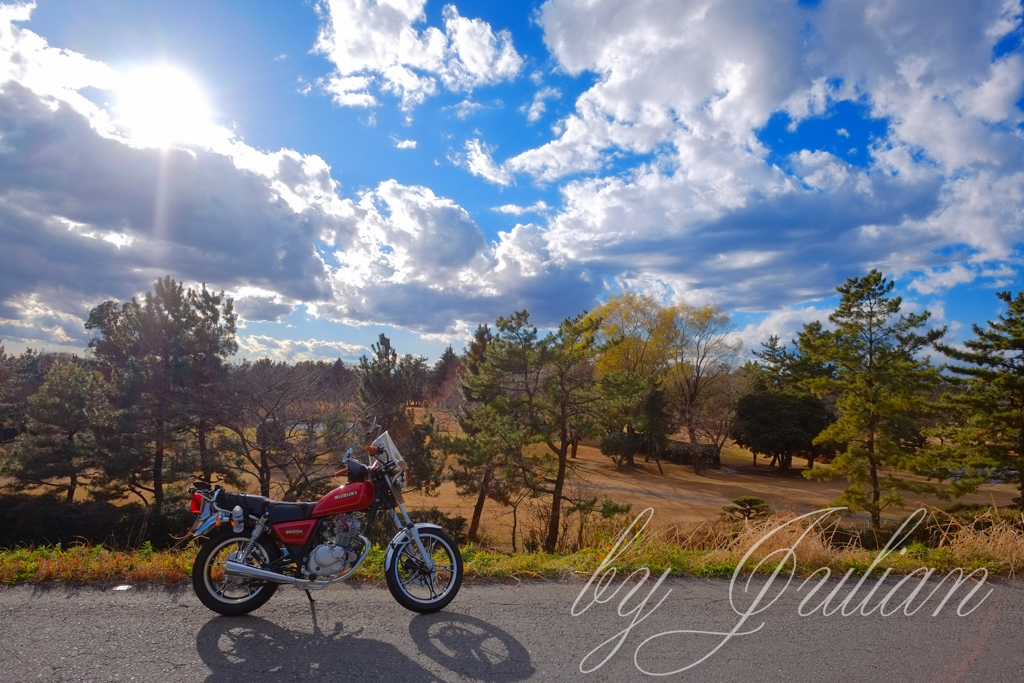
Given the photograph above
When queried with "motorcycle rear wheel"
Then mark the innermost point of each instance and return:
(412, 585)
(231, 595)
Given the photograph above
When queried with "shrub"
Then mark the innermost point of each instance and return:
(747, 507)
(621, 447)
(27, 520)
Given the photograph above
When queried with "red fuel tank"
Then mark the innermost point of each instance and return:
(356, 495)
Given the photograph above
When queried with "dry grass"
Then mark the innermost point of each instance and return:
(993, 541)
(83, 564)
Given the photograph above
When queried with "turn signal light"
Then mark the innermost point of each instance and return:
(197, 503)
(372, 450)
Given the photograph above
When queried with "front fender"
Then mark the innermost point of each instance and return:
(400, 537)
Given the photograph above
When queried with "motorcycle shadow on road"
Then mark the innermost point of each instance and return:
(260, 650)
(471, 647)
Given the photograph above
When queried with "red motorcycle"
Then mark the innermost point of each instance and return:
(258, 544)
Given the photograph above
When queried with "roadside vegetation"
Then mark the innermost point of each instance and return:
(97, 451)
(990, 539)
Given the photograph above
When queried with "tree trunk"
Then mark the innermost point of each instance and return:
(556, 501)
(205, 462)
(72, 486)
(264, 474)
(515, 520)
(629, 458)
(478, 509)
(575, 444)
(158, 468)
(876, 513)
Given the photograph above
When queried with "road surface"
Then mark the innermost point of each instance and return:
(508, 632)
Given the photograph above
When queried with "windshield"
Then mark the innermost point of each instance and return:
(389, 451)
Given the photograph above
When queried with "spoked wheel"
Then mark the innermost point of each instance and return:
(232, 595)
(418, 588)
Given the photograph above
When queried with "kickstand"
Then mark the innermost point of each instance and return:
(312, 612)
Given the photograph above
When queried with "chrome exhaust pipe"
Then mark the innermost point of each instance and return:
(233, 568)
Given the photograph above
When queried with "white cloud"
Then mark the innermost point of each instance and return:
(936, 280)
(403, 144)
(293, 350)
(665, 186)
(466, 108)
(373, 42)
(688, 85)
(786, 323)
(538, 107)
(514, 210)
(478, 161)
(92, 217)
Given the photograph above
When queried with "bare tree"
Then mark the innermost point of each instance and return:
(703, 352)
(288, 424)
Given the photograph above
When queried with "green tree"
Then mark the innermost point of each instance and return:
(389, 384)
(493, 420)
(21, 377)
(162, 354)
(67, 420)
(781, 424)
(638, 337)
(882, 386)
(984, 438)
(415, 374)
(779, 368)
(385, 388)
(747, 508)
(444, 381)
(526, 389)
(634, 416)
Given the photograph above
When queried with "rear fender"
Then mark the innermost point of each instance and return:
(400, 537)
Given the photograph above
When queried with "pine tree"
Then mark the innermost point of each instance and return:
(385, 390)
(882, 387)
(163, 354)
(67, 421)
(985, 437)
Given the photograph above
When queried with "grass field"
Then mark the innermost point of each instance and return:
(680, 497)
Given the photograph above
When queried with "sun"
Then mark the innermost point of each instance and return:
(162, 105)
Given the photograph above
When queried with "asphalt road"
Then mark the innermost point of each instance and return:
(505, 633)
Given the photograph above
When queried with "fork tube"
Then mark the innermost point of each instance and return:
(410, 528)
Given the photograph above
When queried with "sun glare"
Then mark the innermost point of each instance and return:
(161, 105)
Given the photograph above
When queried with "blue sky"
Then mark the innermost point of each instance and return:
(347, 168)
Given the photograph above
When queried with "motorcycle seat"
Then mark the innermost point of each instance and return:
(289, 512)
(280, 511)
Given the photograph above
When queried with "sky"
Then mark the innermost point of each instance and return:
(346, 168)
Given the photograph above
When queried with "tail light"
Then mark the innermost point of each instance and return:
(197, 503)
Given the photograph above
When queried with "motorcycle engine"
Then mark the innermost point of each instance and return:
(335, 555)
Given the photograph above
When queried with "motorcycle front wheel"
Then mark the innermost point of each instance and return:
(232, 595)
(420, 589)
